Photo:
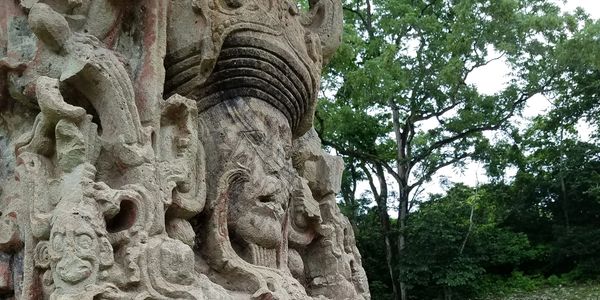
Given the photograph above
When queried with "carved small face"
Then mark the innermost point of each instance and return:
(74, 248)
(76, 252)
(257, 209)
(177, 262)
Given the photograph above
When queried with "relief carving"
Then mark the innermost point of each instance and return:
(163, 149)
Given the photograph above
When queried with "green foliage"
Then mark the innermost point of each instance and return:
(518, 240)
(398, 106)
(444, 253)
(577, 292)
(397, 91)
(518, 281)
(555, 281)
(368, 240)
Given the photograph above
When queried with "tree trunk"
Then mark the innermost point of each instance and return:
(563, 188)
(384, 219)
(348, 192)
(447, 293)
(464, 243)
(403, 212)
(403, 170)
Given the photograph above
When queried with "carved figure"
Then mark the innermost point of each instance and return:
(163, 149)
(77, 252)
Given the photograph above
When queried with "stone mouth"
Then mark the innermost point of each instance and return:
(269, 210)
(74, 271)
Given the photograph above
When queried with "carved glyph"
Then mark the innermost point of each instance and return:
(163, 149)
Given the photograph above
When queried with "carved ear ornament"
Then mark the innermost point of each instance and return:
(325, 18)
(41, 256)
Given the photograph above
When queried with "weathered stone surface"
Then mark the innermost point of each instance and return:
(162, 149)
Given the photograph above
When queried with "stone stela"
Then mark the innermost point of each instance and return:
(164, 149)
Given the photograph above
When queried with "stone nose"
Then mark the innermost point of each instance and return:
(271, 185)
(68, 245)
(270, 189)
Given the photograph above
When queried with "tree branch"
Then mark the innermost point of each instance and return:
(464, 243)
(359, 15)
(361, 155)
(441, 143)
(438, 167)
(371, 182)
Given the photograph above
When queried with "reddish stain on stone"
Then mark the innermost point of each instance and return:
(6, 283)
(19, 160)
(121, 167)
(8, 10)
(35, 288)
(111, 37)
(153, 15)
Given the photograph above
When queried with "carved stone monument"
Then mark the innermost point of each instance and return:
(163, 149)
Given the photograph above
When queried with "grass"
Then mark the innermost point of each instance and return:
(580, 292)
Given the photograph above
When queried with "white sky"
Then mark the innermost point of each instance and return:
(489, 80)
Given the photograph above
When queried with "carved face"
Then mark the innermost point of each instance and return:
(176, 262)
(76, 252)
(252, 139)
(257, 205)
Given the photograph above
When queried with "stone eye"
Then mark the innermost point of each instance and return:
(233, 3)
(84, 241)
(256, 137)
(58, 242)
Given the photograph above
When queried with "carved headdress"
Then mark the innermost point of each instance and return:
(264, 49)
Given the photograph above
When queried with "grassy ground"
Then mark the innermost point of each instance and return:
(586, 292)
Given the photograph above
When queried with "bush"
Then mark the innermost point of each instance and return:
(521, 282)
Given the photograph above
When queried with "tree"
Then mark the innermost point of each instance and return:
(555, 198)
(574, 95)
(455, 239)
(368, 240)
(404, 108)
